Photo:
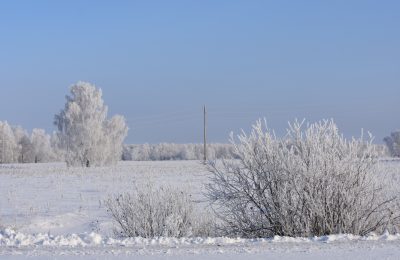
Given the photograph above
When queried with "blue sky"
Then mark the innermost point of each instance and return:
(158, 62)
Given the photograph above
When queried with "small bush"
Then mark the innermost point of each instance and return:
(154, 212)
(312, 182)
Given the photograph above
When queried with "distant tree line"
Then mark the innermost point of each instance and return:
(19, 146)
(172, 151)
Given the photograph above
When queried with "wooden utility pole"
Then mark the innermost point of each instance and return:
(205, 134)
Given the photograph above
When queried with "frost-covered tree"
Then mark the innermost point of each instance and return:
(41, 146)
(115, 131)
(56, 147)
(24, 152)
(311, 182)
(393, 143)
(8, 144)
(85, 133)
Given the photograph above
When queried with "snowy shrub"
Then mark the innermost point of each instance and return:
(312, 182)
(154, 212)
(393, 143)
(84, 132)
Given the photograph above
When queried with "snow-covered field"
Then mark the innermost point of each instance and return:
(48, 211)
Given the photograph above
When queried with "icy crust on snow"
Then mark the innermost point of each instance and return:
(11, 238)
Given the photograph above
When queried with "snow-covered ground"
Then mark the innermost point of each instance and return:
(48, 211)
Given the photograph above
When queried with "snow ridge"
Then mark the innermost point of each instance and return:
(12, 238)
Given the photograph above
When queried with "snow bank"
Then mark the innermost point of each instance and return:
(11, 238)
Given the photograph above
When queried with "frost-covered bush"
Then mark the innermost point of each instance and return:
(311, 182)
(393, 143)
(85, 134)
(153, 212)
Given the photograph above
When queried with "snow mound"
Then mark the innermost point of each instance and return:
(12, 238)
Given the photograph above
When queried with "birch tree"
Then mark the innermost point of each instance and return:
(85, 133)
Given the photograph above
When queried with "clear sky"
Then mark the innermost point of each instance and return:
(158, 62)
